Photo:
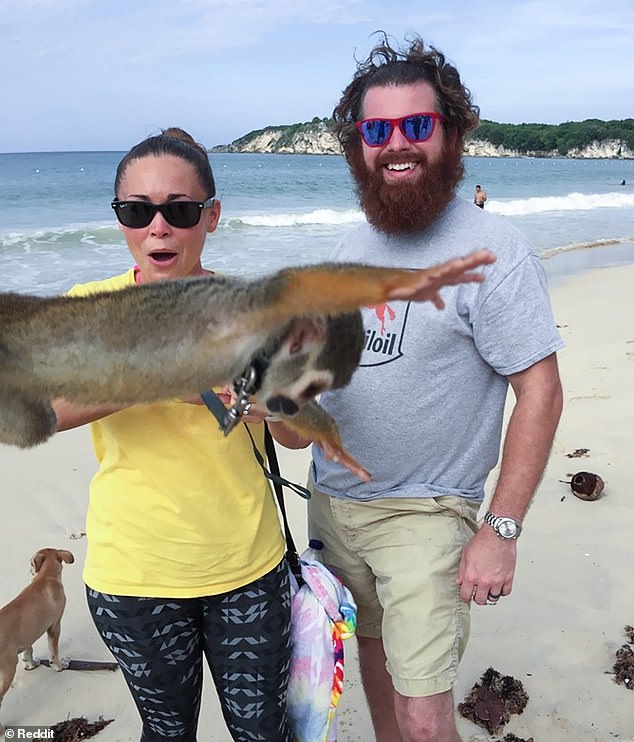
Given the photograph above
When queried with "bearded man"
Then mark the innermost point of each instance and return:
(424, 411)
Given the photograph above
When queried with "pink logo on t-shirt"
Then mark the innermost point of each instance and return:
(384, 328)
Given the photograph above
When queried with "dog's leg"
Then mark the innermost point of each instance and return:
(27, 658)
(53, 647)
(8, 664)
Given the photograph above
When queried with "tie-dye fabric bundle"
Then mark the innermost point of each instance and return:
(323, 614)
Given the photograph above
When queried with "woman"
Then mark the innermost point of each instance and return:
(185, 553)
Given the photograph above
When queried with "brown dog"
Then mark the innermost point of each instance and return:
(36, 610)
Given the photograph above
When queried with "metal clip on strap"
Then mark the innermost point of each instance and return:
(244, 386)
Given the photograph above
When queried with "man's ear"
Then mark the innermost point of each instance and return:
(451, 138)
(305, 332)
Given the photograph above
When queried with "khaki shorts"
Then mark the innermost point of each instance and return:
(399, 557)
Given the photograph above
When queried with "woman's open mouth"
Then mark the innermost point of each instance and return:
(162, 256)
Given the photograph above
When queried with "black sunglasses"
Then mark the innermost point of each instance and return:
(180, 214)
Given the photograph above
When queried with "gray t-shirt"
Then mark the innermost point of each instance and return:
(424, 410)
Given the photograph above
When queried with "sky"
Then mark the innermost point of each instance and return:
(102, 75)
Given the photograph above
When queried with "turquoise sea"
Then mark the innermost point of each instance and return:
(57, 227)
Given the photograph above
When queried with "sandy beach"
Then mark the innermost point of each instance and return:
(557, 633)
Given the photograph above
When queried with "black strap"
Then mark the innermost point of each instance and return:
(292, 557)
(218, 410)
(216, 407)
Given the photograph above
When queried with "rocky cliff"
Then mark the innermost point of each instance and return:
(311, 139)
(611, 149)
(316, 138)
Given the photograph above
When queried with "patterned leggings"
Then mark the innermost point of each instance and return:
(245, 636)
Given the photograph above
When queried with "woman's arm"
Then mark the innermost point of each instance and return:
(70, 415)
(285, 436)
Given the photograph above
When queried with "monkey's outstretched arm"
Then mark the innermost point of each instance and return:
(344, 287)
(313, 423)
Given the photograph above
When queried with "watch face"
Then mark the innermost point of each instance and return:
(507, 528)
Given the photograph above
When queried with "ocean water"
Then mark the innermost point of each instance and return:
(57, 227)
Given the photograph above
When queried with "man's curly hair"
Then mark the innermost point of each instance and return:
(386, 66)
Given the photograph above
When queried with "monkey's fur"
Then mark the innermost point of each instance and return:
(173, 338)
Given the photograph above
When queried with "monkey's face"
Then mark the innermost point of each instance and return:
(315, 355)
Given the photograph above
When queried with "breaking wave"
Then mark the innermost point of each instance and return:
(570, 202)
(324, 217)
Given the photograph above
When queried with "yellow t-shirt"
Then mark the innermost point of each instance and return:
(176, 508)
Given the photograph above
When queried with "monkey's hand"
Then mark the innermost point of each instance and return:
(450, 273)
(313, 423)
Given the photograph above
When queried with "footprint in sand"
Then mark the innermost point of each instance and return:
(590, 396)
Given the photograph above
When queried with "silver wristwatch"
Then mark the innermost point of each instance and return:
(505, 527)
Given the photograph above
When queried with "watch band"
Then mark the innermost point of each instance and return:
(504, 526)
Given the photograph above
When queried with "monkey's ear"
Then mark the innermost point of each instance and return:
(306, 331)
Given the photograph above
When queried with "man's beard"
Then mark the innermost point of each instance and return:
(404, 208)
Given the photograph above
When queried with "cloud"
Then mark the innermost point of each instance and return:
(154, 30)
(101, 70)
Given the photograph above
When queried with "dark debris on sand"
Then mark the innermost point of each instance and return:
(624, 667)
(514, 738)
(491, 701)
(77, 729)
(578, 453)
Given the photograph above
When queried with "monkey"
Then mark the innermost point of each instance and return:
(178, 337)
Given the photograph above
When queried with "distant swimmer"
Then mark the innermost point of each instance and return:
(479, 197)
(623, 181)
